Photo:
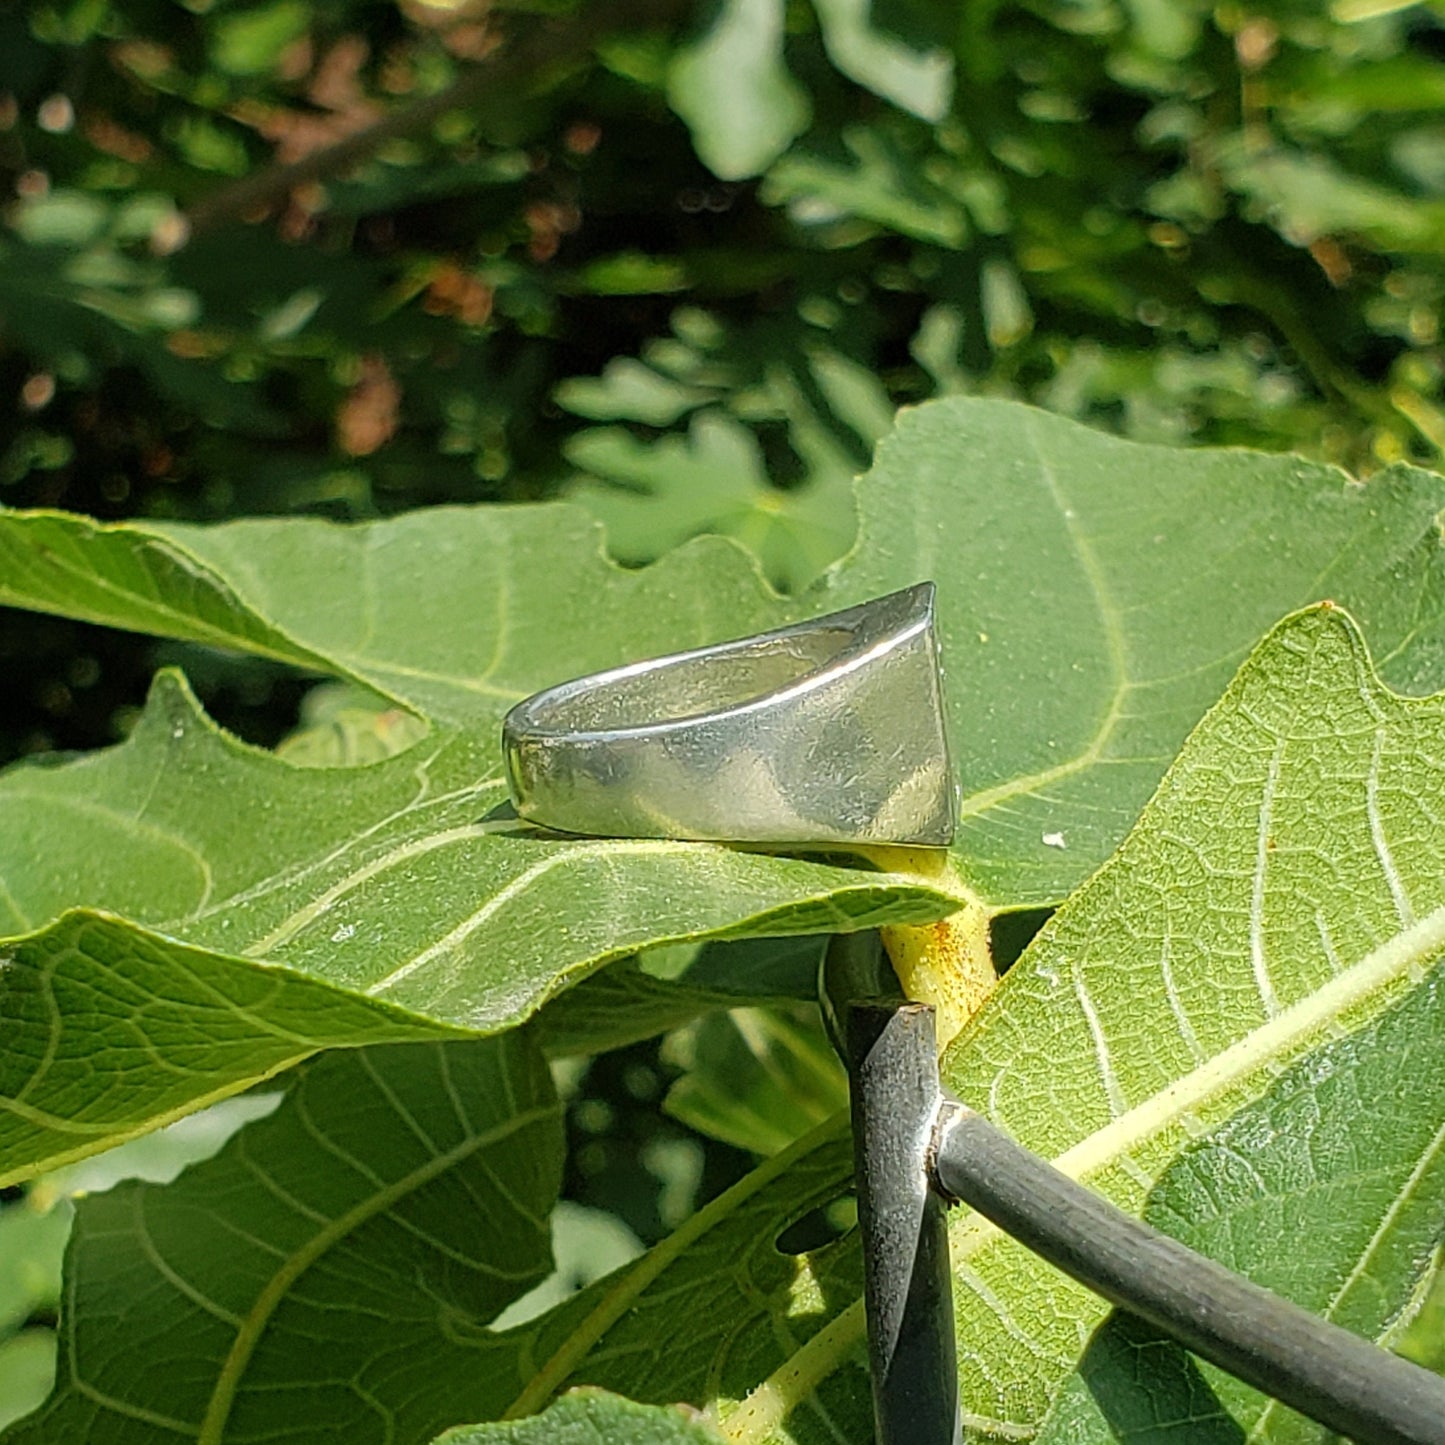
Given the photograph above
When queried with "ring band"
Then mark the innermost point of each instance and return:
(828, 731)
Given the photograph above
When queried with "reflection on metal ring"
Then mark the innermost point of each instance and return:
(829, 731)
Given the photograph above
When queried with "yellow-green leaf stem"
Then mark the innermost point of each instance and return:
(946, 964)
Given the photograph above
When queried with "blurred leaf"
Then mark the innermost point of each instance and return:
(390, 184)
(1306, 197)
(872, 176)
(1405, 82)
(666, 491)
(756, 1078)
(918, 81)
(101, 309)
(27, 1368)
(1352, 12)
(1155, 396)
(629, 391)
(1420, 154)
(347, 727)
(62, 218)
(1007, 318)
(937, 346)
(586, 1245)
(32, 1240)
(733, 89)
(223, 415)
(852, 396)
(250, 41)
(654, 494)
(631, 273)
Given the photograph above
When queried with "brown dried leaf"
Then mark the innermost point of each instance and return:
(367, 419)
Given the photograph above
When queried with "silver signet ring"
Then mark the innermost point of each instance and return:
(828, 731)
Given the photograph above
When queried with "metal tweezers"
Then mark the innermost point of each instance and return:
(918, 1150)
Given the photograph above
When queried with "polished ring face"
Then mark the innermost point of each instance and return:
(829, 731)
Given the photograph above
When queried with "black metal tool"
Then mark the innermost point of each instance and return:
(889, 1047)
(908, 1289)
(916, 1147)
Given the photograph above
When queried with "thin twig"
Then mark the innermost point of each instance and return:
(543, 47)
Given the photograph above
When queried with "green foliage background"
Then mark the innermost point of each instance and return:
(686, 282)
(683, 262)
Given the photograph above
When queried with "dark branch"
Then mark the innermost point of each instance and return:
(539, 50)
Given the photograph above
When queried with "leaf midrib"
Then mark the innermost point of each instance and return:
(1284, 1035)
(301, 872)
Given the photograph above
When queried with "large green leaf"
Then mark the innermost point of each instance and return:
(1094, 597)
(363, 879)
(1372, 1195)
(332, 1269)
(1285, 885)
(1280, 906)
(35, 1228)
(89, 996)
